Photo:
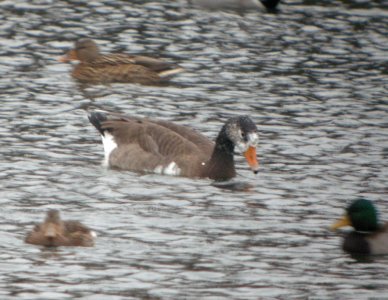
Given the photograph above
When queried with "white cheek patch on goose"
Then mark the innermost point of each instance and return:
(253, 139)
(171, 169)
(242, 147)
(109, 145)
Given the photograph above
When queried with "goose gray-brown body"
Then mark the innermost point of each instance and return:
(54, 232)
(95, 67)
(145, 145)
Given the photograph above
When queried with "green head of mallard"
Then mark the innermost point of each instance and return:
(361, 214)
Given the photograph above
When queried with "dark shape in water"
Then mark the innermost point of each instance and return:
(369, 237)
(95, 67)
(270, 5)
(54, 232)
(145, 145)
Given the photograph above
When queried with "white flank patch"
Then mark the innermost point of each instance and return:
(93, 234)
(109, 145)
(171, 169)
(158, 169)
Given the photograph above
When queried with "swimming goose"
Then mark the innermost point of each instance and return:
(369, 237)
(145, 145)
(95, 67)
(54, 232)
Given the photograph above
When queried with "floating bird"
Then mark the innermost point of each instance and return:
(145, 145)
(369, 237)
(95, 67)
(236, 4)
(54, 232)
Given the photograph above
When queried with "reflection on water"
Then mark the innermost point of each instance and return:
(312, 77)
(234, 185)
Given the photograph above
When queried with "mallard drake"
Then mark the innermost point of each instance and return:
(54, 232)
(145, 145)
(369, 237)
(95, 67)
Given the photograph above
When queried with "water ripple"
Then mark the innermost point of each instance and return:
(313, 78)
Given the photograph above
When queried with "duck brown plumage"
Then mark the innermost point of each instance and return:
(145, 145)
(54, 232)
(95, 67)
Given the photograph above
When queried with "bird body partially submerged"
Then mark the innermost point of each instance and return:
(236, 4)
(94, 67)
(369, 236)
(145, 145)
(54, 232)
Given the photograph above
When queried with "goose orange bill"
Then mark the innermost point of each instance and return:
(250, 156)
(69, 56)
(345, 221)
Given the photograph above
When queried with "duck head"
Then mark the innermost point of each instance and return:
(361, 214)
(52, 227)
(85, 50)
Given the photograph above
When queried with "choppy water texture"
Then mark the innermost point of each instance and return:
(313, 77)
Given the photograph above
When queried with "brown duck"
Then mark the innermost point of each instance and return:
(95, 67)
(54, 232)
(145, 145)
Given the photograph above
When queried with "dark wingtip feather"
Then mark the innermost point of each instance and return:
(97, 118)
(270, 5)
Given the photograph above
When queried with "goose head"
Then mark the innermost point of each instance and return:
(240, 133)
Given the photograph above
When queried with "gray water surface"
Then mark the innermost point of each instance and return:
(313, 77)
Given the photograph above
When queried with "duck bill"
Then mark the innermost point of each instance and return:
(69, 56)
(250, 156)
(345, 221)
(50, 231)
